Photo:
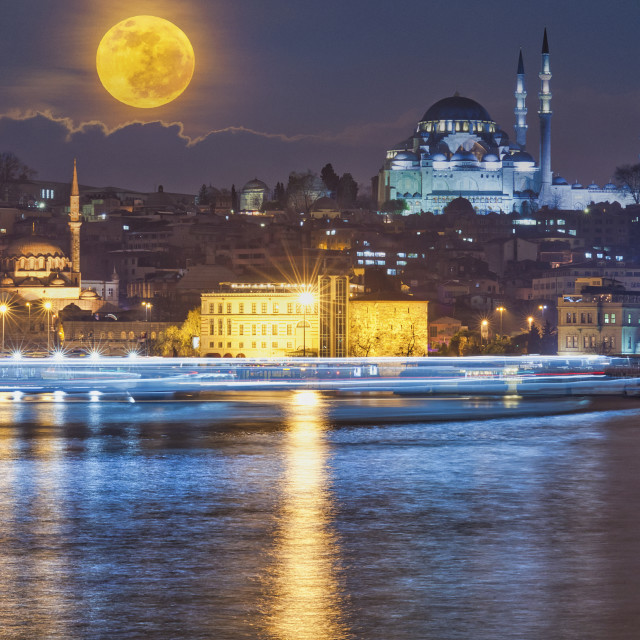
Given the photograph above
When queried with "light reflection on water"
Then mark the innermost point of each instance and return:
(159, 522)
(305, 600)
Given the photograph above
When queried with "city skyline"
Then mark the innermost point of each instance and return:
(271, 95)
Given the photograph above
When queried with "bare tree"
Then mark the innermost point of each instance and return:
(12, 172)
(628, 177)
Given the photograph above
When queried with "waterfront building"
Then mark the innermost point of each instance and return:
(396, 326)
(459, 150)
(601, 320)
(258, 320)
(570, 280)
(36, 269)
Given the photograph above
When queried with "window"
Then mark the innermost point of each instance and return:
(289, 330)
(220, 329)
(572, 342)
(264, 329)
(568, 317)
(254, 345)
(274, 329)
(606, 318)
(241, 329)
(613, 318)
(583, 318)
(263, 345)
(254, 307)
(241, 345)
(274, 345)
(589, 318)
(228, 327)
(212, 327)
(263, 307)
(228, 307)
(219, 307)
(276, 307)
(241, 307)
(289, 307)
(254, 329)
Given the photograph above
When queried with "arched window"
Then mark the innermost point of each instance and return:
(123, 335)
(132, 335)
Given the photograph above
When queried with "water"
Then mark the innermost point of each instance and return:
(155, 521)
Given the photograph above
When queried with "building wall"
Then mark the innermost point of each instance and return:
(601, 324)
(388, 328)
(254, 323)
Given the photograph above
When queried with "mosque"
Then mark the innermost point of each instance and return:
(35, 269)
(458, 150)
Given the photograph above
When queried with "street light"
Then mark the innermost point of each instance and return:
(47, 306)
(484, 331)
(530, 321)
(3, 311)
(501, 310)
(147, 306)
(306, 298)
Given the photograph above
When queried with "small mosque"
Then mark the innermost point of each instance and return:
(35, 269)
(458, 150)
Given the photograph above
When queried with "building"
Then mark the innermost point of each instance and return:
(458, 150)
(253, 195)
(388, 327)
(602, 320)
(258, 320)
(37, 270)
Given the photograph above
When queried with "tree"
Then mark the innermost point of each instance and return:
(534, 340)
(178, 340)
(330, 178)
(203, 195)
(394, 206)
(303, 189)
(12, 172)
(235, 205)
(280, 195)
(628, 177)
(347, 191)
(549, 340)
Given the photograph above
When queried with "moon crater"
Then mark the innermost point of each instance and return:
(145, 61)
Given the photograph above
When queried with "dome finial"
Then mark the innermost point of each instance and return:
(456, 94)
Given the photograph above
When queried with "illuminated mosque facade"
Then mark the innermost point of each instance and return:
(35, 269)
(458, 150)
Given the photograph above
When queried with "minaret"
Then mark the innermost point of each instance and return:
(521, 106)
(545, 117)
(74, 225)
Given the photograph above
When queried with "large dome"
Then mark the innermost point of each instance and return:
(456, 108)
(33, 246)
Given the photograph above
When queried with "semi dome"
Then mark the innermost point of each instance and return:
(490, 157)
(593, 187)
(439, 157)
(559, 180)
(254, 184)
(456, 108)
(33, 246)
(407, 156)
(522, 156)
(610, 187)
(463, 156)
(6, 281)
(577, 185)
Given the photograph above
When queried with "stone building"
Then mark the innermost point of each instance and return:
(393, 327)
(600, 320)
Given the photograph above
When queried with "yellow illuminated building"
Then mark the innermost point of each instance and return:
(259, 320)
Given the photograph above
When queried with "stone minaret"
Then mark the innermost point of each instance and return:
(74, 226)
(545, 118)
(521, 106)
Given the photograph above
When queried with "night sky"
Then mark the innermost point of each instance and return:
(282, 86)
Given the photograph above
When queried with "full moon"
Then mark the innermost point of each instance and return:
(145, 61)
